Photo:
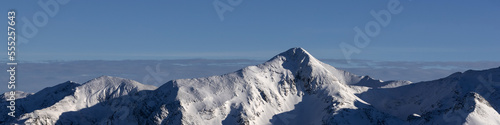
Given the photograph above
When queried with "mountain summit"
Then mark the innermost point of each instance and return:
(291, 88)
(298, 55)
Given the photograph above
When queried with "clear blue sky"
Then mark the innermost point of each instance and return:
(425, 30)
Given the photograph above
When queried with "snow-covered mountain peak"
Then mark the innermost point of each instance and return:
(108, 82)
(296, 52)
(296, 57)
(103, 79)
(96, 91)
(106, 87)
(302, 65)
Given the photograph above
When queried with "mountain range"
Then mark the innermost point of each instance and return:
(291, 88)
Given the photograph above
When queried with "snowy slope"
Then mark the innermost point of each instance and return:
(437, 99)
(291, 88)
(291, 81)
(28, 102)
(86, 95)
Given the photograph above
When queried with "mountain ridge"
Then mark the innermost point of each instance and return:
(292, 87)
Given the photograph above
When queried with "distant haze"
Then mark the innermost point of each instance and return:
(33, 77)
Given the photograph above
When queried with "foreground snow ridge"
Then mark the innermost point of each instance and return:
(291, 88)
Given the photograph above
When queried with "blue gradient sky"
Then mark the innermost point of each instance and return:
(460, 30)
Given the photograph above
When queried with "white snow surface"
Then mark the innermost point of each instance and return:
(291, 88)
